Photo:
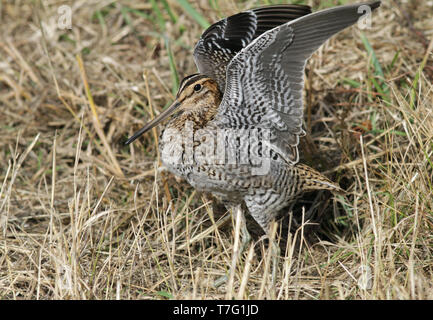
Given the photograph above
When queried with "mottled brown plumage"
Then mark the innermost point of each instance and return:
(236, 136)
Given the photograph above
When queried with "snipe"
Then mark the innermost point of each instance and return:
(236, 125)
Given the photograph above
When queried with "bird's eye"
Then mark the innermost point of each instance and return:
(197, 87)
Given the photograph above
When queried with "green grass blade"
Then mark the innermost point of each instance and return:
(158, 14)
(164, 294)
(377, 67)
(193, 13)
(139, 13)
(378, 87)
(394, 60)
(174, 74)
(378, 83)
(170, 12)
(352, 83)
(124, 11)
(100, 17)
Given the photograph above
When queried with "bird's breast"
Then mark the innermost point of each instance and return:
(215, 159)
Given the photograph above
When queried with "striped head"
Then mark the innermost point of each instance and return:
(198, 97)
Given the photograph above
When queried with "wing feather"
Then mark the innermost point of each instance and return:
(265, 80)
(225, 38)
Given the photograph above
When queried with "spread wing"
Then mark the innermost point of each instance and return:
(265, 80)
(222, 40)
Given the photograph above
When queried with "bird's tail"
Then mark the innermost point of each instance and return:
(311, 179)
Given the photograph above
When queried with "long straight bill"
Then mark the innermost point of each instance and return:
(167, 112)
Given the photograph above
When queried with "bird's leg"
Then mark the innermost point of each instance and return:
(245, 235)
(240, 220)
(241, 231)
(275, 252)
(272, 255)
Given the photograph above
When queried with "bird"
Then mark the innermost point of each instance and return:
(235, 126)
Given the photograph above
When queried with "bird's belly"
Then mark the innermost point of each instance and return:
(206, 178)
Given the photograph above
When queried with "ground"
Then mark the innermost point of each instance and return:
(82, 216)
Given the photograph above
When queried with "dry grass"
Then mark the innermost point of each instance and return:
(84, 217)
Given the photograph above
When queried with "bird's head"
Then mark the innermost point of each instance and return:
(198, 96)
